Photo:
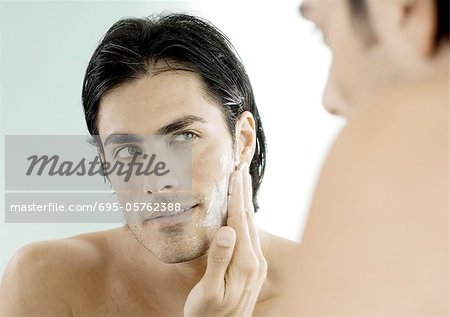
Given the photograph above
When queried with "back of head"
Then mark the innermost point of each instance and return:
(359, 10)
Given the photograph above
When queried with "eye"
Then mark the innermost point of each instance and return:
(184, 137)
(127, 151)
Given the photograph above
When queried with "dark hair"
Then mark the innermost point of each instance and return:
(133, 45)
(359, 9)
(443, 21)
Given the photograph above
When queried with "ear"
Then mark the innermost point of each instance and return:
(245, 138)
(418, 21)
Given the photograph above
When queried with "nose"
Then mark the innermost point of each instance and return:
(160, 184)
(305, 9)
(165, 188)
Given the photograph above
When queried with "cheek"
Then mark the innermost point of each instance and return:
(211, 169)
(346, 46)
(346, 68)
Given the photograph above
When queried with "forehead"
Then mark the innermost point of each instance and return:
(141, 106)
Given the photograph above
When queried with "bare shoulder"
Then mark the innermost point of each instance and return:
(376, 241)
(276, 248)
(278, 253)
(42, 277)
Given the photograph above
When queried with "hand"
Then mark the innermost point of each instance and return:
(236, 268)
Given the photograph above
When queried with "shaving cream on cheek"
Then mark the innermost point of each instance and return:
(216, 202)
(215, 212)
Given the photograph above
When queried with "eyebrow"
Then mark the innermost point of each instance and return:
(121, 138)
(179, 124)
(175, 125)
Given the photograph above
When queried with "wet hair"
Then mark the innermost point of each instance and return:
(132, 46)
(443, 21)
(359, 11)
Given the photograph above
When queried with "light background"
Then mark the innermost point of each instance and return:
(45, 48)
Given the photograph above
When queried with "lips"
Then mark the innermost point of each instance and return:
(171, 216)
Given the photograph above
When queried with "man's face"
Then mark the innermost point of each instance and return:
(172, 107)
(360, 63)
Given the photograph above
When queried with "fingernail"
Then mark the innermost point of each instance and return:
(230, 185)
(225, 238)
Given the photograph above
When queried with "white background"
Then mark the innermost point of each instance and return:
(45, 48)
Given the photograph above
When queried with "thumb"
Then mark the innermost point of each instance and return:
(219, 257)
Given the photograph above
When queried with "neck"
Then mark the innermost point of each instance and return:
(422, 73)
(432, 84)
(190, 271)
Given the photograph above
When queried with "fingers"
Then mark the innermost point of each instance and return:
(236, 211)
(261, 271)
(248, 256)
(219, 257)
(250, 212)
(236, 266)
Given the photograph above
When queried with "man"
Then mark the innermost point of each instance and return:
(177, 78)
(376, 243)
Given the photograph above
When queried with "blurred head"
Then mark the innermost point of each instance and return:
(376, 44)
(177, 78)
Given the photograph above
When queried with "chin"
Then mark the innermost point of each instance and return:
(171, 255)
(178, 258)
(179, 242)
(176, 246)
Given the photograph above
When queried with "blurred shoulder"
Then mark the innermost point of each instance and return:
(381, 209)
